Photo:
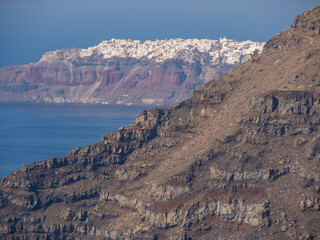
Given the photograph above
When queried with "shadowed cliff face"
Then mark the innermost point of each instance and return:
(99, 77)
(239, 160)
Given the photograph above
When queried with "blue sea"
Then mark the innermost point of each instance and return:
(36, 132)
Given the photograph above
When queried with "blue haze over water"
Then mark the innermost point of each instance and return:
(36, 132)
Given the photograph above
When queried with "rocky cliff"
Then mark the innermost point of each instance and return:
(238, 160)
(161, 72)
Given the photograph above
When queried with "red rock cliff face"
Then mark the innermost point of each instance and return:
(170, 76)
(56, 74)
(110, 77)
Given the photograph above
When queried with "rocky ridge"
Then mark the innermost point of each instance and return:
(238, 160)
(160, 72)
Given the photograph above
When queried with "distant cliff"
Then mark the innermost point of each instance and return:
(160, 72)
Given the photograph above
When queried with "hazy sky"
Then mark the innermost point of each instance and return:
(29, 28)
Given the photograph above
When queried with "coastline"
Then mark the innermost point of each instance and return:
(37, 131)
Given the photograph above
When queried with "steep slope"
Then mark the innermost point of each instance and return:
(161, 72)
(239, 160)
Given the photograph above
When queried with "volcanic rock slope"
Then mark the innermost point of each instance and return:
(160, 72)
(239, 160)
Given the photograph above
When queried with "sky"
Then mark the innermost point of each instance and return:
(29, 28)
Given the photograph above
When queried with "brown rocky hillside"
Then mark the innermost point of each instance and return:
(239, 160)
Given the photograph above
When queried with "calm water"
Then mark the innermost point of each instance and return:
(35, 132)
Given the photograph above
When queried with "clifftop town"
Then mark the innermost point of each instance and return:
(231, 51)
(160, 72)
